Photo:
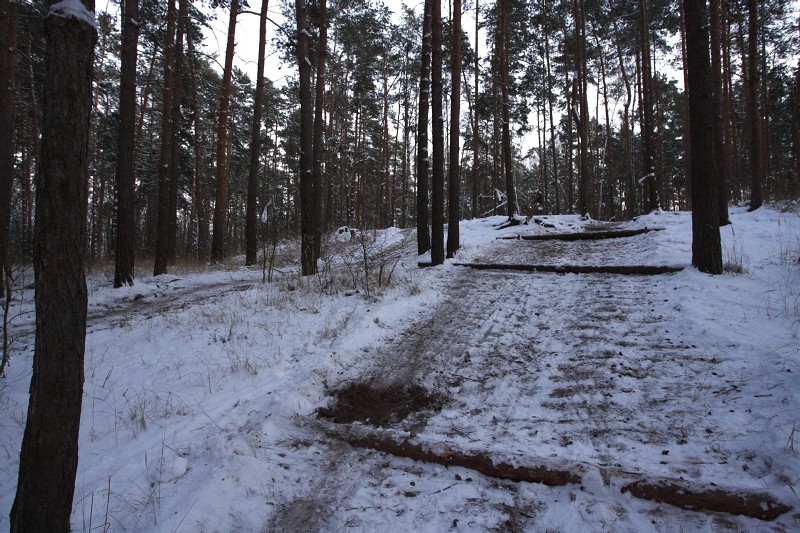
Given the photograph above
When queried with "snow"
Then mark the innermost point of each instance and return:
(201, 386)
(73, 9)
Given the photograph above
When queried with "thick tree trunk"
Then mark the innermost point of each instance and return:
(319, 129)
(221, 203)
(648, 149)
(437, 130)
(476, 189)
(583, 122)
(165, 159)
(126, 164)
(706, 249)
(174, 167)
(795, 183)
(307, 207)
(630, 186)
(423, 157)
(511, 192)
(720, 154)
(454, 168)
(198, 222)
(8, 63)
(49, 456)
(550, 98)
(251, 223)
(753, 117)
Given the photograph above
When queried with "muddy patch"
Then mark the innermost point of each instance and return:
(381, 406)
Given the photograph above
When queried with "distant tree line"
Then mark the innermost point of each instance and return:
(573, 107)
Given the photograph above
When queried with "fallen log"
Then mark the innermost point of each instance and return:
(582, 236)
(679, 493)
(632, 270)
(387, 442)
(686, 496)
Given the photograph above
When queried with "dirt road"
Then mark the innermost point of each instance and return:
(584, 370)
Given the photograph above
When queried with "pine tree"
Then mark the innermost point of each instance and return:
(49, 455)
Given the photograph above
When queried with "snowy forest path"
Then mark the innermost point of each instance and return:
(143, 301)
(598, 370)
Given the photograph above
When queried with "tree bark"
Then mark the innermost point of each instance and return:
(8, 64)
(554, 154)
(648, 149)
(476, 189)
(165, 159)
(423, 158)
(126, 163)
(198, 233)
(583, 105)
(753, 117)
(511, 192)
(793, 184)
(174, 167)
(706, 248)
(221, 203)
(454, 168)
(307, 207)
(437, 130)
(251, 222)
(720, 154)
(630, 187)
(319, 129)
(49, 456)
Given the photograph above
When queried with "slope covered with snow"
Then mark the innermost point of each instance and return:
(202, 389)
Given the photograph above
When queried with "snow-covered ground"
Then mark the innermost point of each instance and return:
(201, 388)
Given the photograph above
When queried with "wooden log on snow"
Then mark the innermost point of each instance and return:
(686, 496)
(633, 270)
(582, 236)
(389, 442)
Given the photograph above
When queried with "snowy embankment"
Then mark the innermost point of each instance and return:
(200, 386)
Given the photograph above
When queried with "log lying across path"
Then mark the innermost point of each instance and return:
(581, 236)
(386, 441)
(633, 270)
(754, 505)
(679, 493)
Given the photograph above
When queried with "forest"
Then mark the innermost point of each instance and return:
(595, 118)
(583, 150)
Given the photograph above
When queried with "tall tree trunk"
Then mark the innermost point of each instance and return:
(8, 64)
(126, 164)
(511, 192)
(307, 207)
(794, 183)
(630, 187)
(49, 455)
(423, 157)
(437, 130)
(720, 155)
(753, 116)
(199, 216)
(550, 98)
(687, 160)
(174, 167)
(583, 121)
(571, 94)
(319, 128)
(648, 147)
(706, 249)
(251, 224)
(165, 159)
(406, 138)
(476, 143)
(454, 168)
(221, 203)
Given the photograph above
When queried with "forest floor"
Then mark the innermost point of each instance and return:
(216, 402)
